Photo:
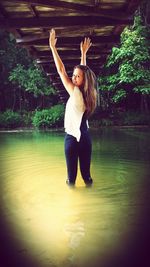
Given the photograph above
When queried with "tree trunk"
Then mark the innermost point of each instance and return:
(144, 104)
(20, 100)
(43, 101)
(14, 99)
(98, 99)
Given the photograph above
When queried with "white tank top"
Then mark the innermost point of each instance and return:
(75, 109)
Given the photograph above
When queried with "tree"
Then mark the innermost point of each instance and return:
(126, 75)
(10, 55)
(23, 84)
(32, 79)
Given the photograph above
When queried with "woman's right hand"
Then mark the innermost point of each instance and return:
(52, 38)
(85, 45)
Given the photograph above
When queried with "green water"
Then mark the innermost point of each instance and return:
(44, 223)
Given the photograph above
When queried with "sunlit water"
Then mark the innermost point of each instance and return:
(45, 223)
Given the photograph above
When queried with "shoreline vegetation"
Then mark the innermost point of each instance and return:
(53, 120)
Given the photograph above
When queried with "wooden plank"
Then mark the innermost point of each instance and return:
(33, 10)
(69, 69)
(69, 59)
(3, 12)
(97, 68)
(69, 40)
(92, 7)
(73, 31)
(57, 3)
(97, 51)
(63, 21)
(131, 6)
(70, 64)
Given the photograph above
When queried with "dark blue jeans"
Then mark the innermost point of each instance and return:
(78, 150)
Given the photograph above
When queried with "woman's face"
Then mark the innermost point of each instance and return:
(78, 77)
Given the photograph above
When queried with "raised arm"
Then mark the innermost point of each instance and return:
(84, 47)
(59, 64)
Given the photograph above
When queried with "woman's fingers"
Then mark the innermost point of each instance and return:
(85, 45)
(52, 38)
(87, 41)
(52, 33)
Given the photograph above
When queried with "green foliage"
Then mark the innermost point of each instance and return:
(127, 69)
(108, 83)
(27, 118)
(47, 118)
(10, 55)
(120, 118)
(119, 95)
(10, 119)
(143, 89)
(32, 79)
(22, 83)
(113, 58)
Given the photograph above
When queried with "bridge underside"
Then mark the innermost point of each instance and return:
(101, 20)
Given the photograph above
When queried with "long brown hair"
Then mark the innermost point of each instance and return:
(88, 89)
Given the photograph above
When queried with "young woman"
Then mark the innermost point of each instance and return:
(80, 105)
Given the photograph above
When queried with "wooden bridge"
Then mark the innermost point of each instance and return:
(101, 20)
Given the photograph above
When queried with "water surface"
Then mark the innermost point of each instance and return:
(45, 223)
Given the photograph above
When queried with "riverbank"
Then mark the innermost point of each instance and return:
(43, 119)
(61, 129)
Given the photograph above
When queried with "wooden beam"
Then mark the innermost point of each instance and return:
(70, 64)
(3, 12)
(68, 40)
(33, 10)
(66, 49)
(64, 32)
(50, 68)
(132, 5)
(64, 21)
(118, 29)
(54, 75)
(96, 7)
(56, 3)
(49, 60)
(69, 69)
(69, 59)
(95, 50)
(73, 31)
(57, 83)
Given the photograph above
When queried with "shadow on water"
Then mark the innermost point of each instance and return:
(44, 223)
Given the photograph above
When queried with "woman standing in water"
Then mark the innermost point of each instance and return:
(79, 107)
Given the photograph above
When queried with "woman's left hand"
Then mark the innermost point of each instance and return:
(85, 45)
(52, 38)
